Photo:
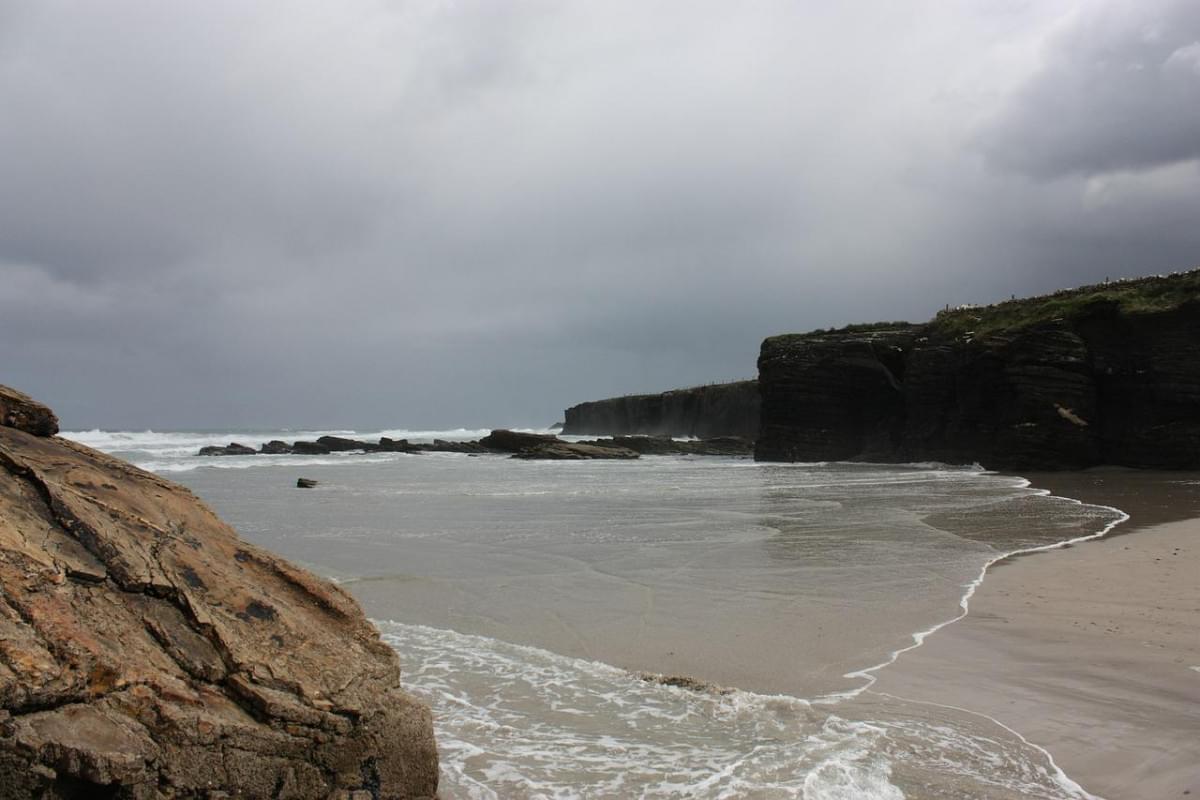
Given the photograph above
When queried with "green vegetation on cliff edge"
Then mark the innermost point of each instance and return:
(1129, 296)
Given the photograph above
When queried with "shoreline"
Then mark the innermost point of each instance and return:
(871, 674)
(1092, 650)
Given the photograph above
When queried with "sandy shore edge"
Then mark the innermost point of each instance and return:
(1091, 651)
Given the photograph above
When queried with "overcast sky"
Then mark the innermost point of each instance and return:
(433, 214)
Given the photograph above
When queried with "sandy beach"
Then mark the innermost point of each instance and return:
(1091, 651)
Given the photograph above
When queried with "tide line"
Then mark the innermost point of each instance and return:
(868, 674)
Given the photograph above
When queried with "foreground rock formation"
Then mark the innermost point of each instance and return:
(1107, 374)
(147, 652)
(724, 409)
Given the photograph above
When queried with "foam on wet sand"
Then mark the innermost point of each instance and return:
(1090, 650)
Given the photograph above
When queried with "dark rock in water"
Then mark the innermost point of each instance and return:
(725, 409)
(231, 449)
(663, 446)
(18, 410)
(337, 444)
(150, 653)
(275, 448)
(645, 445)
(507, 441)
(683, 682)
(1107, 374)
(305, 483)
(443, 446)
(567, 451)
(309, 449)
(387, 445)
(721, 446)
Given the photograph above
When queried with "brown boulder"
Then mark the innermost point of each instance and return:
(147, 652)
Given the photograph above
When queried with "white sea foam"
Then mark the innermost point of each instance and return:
(516, 721)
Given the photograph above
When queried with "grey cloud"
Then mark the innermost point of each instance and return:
(1119, 90)
(439, 214)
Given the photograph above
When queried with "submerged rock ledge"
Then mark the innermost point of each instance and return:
(147, 652)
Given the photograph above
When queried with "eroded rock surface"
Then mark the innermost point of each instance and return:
(147, 652)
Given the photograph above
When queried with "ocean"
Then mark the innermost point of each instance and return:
(666, 627)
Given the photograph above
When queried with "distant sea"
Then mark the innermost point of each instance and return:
(532, 604)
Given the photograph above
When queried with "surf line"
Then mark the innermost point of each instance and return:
(868, 674)
(1060, 777)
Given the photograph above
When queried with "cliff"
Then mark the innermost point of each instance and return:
(147, 652)
(726, 409)
(1106, 374)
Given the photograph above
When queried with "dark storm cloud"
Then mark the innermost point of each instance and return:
(1119, 90)
(433, 214)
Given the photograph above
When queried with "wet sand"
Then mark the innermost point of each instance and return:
(1091, 651)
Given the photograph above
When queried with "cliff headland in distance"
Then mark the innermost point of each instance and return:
(1103, 374)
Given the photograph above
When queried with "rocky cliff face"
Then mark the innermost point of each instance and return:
(727, 409)
(147, 652)
(1102, 375)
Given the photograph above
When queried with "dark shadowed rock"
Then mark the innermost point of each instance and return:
(645, 445)
(147, 652)
(275, 448)
(721, 446)
(18, 410)
(309, 449)
(443, 446)
(387, 445)
(723, 409)
(305, 483)
(1107, 374)
(338, 444)
(231, 449)
(664, 446)
(507, 441)
(567, 451)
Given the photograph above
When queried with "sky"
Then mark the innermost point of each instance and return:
(437, 213)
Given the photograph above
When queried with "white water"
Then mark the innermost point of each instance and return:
(521, 722)
(176, 451)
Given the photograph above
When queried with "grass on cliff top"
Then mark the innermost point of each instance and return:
(858, 327)
(1133, 296)
(1129, 296)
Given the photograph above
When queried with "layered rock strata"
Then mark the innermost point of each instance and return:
(1102, 375)
(726, 409)
(147, 652)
